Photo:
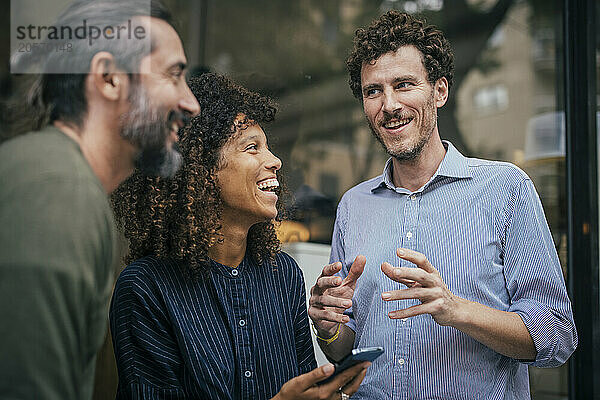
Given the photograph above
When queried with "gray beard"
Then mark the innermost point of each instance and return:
(161, 162)
(146, 127)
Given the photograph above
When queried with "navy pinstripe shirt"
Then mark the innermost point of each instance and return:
(481, 224)
(237, 334)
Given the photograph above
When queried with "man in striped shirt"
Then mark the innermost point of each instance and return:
(445, 261)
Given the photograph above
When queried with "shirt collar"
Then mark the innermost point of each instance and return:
(229, 271)
(453, 165)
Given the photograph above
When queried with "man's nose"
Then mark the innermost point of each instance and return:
(390, 102)
(189, 103)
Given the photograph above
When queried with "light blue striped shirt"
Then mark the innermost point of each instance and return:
(481, 224)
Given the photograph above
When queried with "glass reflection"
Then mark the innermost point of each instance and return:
(506, 103)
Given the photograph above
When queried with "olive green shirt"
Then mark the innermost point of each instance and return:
(57, 249)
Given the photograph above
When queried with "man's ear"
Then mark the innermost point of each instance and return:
(110, 82)
(441, 91)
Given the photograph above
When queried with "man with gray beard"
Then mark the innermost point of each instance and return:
(121, 110)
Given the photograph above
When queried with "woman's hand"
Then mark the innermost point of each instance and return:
(306, 386)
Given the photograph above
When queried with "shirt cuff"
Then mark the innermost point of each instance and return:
(553, 344)
(352, 323)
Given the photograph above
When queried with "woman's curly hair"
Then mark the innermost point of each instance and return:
(390, 32)
(179, 217)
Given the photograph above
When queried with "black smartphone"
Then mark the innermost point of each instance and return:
(357, 356)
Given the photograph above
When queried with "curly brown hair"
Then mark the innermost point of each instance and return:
(390, 32)
(180, 217)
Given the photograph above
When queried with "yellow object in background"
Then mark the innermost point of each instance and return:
(292, 231)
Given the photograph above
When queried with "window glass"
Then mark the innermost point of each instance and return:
(506, 103)
(598, 91)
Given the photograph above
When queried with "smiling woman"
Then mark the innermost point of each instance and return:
(182, 217)
(249, 186)
(209, 307)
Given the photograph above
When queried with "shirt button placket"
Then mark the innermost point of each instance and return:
(241, 312)
(411, 218)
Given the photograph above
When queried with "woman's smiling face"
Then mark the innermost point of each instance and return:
(248, 177)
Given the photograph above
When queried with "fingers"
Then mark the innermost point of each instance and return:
(352, 387)
(306, 381)
(319, 315)
(356, 269)
(389, 271)
(326, 282)
(331, 269)
(409, 282)
(416, 258)
(420, 293)
(327, 293)
(426, 308)
(327, 300)
(409, 276)
(347, 376)
(306, 385)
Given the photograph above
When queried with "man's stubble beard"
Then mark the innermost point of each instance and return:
(425, 133)
(148, 127)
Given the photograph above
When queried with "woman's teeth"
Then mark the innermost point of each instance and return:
(268, 185)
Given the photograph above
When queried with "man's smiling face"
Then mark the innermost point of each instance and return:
(399, 102)
(160, 103)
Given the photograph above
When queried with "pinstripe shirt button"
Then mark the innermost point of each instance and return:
(248, 374)
(234, 272)
(242, 322)
(409, 235)
(401, 361)
(412, 197)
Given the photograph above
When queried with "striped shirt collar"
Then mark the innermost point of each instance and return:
(453, 165)
(227, 271)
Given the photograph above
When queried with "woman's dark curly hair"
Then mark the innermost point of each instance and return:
(390, 32)
(180, 217)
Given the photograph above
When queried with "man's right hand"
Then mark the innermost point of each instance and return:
(306, 386)
(331, 296)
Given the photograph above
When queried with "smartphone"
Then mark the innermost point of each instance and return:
(356, 357)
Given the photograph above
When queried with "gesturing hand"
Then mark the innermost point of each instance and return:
(331, 296)
(306, 386)
(425, 284)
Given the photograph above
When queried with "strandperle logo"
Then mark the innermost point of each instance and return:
(83, 31)
(61, 36)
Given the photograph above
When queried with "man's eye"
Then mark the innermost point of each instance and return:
(251, 147)
(177, 74)
(403, 85)
(371, 92)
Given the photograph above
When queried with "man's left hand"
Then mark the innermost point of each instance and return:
(425, 284)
